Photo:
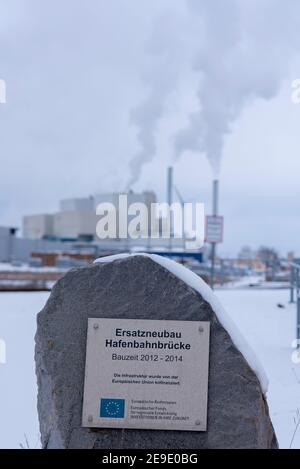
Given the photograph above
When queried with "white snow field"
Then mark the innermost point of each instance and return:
(268, 329)
(18, 389)
(271, 331)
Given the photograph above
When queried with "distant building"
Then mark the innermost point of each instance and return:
(147, 198)
(7, 239)
(75, 225)
(38, 226)
(7, 231)
(251, 264)
(291, 256)
(77, 219)
(86, 204)
(247, 253)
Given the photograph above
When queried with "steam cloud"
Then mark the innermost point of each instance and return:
(160, 78)
(243, 52)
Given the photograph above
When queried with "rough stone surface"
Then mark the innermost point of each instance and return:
(137, 286)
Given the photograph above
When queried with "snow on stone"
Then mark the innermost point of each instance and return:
(195, 282)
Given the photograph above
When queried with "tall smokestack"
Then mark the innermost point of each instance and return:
(215, 206)
(170, 188)
(215, 209)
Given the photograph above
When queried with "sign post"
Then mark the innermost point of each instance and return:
(214, 229)
(146, 374)
(214, 235)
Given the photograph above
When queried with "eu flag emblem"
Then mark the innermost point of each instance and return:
(112, 408)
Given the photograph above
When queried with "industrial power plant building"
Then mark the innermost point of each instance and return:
(72, 229)
(14, 248)
(76, 218)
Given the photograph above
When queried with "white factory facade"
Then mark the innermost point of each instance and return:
(73, 229)
(76, 218)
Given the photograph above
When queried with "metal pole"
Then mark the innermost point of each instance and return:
(214, 246)
(273, 269)
(295, 287)
(215, 197)
(292, 285)
(298, 321)
(183, 215)
(212, 272)
(298, 307)
(222, 273)
(170, 200)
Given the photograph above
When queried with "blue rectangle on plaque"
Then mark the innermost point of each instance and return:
(112, 408)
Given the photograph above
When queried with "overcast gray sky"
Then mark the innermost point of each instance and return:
(96, 87)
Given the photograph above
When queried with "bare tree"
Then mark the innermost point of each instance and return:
(268, 255)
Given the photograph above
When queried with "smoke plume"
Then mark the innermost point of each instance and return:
(245, 55)
(165, 53)
(243, 49)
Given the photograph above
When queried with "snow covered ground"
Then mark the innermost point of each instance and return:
(270, 331)
(18, 415)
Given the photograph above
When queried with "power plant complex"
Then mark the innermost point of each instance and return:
(73, 228)
(76, 219)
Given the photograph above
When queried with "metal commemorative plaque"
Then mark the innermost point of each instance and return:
(146, 374)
